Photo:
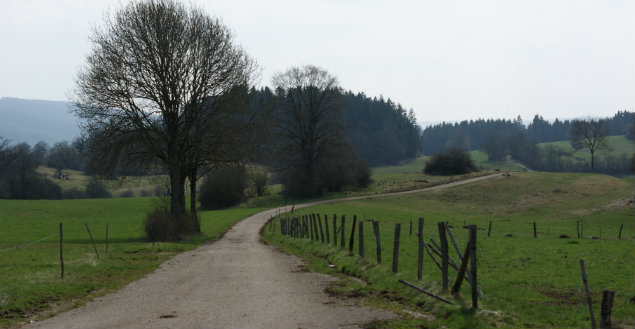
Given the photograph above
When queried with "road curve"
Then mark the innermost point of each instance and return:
(235, 282)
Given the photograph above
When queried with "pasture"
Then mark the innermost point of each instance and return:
(525, 281)
(30, 275)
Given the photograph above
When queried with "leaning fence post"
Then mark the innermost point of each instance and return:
(472, 243)
(377, 241)
(326, 226)
(321, 230)
(619, 237)
(588, 293)
(361, 239)
(420, 258)
(61, 252)
(395, 248)
(352, 239)
(444, 255)
(91, 239)
(607, 304)
(310, 222)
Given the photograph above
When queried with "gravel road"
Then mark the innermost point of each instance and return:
(235, 282)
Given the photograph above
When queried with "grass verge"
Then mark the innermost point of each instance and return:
(526, 281)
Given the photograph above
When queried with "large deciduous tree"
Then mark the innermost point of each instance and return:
(157, 86)
(590, 134)
(310, 108)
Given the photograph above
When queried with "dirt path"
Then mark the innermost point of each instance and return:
(235, 282)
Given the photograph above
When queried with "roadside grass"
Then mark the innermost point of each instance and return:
(526, 281)
(30, 282)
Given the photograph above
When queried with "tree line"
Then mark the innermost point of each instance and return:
(476, 134)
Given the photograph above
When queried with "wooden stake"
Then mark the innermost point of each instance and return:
(489, 230)
(420, 254)
(319, 220)
(588, 294)
(619, 237)
(607, 304)
(535, 233)
(395, 248)
(61, 252)
(326, 226)
(472, 244)
(578, 228)
(444, 255)
(106, 238)
(377, 241)
(343, 242)
(91, 239)
(459, 278)
(335, 229)
(352, 239)
(361, 239)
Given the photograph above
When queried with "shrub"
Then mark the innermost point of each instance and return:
(127, 194)
(223, 188)
(161, 226)
(145, 193)
(455, 162)
(74, 193)
(259, 177)
(95, 189)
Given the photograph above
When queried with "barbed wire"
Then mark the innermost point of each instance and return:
(30, 243)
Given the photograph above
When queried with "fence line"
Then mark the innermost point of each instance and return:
(31, 243)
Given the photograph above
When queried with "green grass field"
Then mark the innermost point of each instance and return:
(618, 145)
(526, 281)
(30, 276)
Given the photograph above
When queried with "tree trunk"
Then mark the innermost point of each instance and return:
(177, 196)
(193, 179)
(592, 160)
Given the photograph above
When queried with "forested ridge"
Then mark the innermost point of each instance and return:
(474, 134)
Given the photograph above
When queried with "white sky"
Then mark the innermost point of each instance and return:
(448, 60)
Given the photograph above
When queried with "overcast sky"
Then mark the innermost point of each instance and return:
(448, 60)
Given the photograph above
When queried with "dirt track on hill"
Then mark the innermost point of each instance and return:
(235, 282)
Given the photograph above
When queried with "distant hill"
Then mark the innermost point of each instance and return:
(24, 120)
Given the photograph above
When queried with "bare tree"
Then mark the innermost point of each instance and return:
(7, 155)
(309, 116)
(146, 87)
(591, 135)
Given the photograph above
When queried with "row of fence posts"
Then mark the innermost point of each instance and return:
(91, 240)
(579, 230)
(311, 227)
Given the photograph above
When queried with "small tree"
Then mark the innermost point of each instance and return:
(455, 162)
(591, 135)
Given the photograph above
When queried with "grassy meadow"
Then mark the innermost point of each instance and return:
(525, 281)
(30, 280)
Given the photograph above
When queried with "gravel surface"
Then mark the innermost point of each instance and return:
(235, 282)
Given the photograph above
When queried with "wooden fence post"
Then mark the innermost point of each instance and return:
(321, 230)
(326, 226)
(459, 277)
(444, 255)
(91, 239)
(489, 230)
(377, 241)
(395, 248)
(578, 228)
(420, 258)
(607, 304)
(472, 243)
(106, 238)
(335, 229)
(310, 221)
(535, 233)
(351, 242)
(411, 228)
(361, 239)
(61, 251)
(619, 237)
(342, 241)
(588, 294)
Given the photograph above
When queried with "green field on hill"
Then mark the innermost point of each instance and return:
(525, 281)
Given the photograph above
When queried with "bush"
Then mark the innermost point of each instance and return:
(145, 193)
(455, 162)
(95, 189)
(223, 188)
(74, 193)
(127, 194)
(161, 226)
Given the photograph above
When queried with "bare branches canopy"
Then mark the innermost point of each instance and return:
(156, 86)
(589, 134)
